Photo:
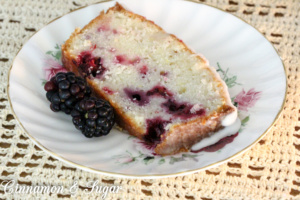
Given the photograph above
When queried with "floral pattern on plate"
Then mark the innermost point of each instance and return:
(52, 63)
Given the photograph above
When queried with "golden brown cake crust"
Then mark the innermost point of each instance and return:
(180, 137)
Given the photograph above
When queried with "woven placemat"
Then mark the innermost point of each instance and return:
(270, 170)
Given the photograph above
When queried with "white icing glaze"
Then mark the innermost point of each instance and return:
(226, 131)
(230, 119)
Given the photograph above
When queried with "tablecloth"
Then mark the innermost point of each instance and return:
(269, 170)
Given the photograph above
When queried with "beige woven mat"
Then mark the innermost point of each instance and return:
(270, 170)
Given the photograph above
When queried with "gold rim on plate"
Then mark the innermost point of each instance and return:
(120, 175)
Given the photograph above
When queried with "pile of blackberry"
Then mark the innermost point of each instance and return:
(70, 94)
(94, 117)
(64, 90)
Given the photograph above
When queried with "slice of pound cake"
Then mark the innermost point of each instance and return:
(162, 92)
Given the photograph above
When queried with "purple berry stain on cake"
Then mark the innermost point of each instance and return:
(137, 96)
(90, 66)
(108, 90)
(124, 60)
(104, 27)
(142, 98)
(155, 128)
(144, 70)
(181, 109)
(159, 91)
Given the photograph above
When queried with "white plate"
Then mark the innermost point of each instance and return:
(252, 69)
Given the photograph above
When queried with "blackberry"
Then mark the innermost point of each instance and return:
(64, 90)
(93, 116)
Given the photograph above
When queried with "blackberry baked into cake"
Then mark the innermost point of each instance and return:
(161, 91)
